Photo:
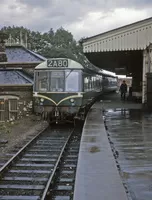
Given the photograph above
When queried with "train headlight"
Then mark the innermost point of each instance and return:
(41, 99)
(72, 100)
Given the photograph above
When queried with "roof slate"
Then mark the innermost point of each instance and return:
(14, 77)
(21, 54)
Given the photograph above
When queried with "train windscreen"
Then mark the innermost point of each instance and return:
(57, 81)
(71, 81)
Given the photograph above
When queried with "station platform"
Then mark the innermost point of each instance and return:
(113, 101)
(97, 176)
(128, 126)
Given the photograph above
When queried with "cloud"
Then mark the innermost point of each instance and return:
(35, 3)
(81, 17)
(98, 22)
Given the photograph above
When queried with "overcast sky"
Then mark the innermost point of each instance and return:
(83, 18)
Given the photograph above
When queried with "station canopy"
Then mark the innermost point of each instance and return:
(120, 50)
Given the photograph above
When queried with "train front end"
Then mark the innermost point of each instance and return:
(57, 90)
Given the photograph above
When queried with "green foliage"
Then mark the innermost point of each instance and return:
(59, 43)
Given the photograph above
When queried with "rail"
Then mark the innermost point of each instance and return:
(28, 174)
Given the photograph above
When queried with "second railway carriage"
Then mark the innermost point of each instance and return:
(64, 89)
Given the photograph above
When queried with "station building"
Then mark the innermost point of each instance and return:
(17, 64)
(127, 51)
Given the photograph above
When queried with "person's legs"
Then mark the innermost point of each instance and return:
(121, 95)
(124, 96)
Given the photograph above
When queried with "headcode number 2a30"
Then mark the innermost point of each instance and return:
(57, 63)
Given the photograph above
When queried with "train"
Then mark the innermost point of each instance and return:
(64, 89)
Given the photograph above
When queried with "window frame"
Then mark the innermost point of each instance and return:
(36, 80)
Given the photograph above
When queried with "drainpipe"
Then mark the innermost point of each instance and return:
(149, 57)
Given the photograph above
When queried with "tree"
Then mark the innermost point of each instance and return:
(59, 43)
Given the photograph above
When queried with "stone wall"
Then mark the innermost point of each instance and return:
(23, 96)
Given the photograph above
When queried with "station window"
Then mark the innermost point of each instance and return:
(8, 108)
(13, 104)
(2, 110)
(2, 106)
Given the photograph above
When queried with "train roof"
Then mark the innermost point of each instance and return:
(97, 70)
(108, 73)
(59, 63)
(65, 63)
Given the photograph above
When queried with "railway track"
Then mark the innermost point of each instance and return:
(62, 187)
(31, 173)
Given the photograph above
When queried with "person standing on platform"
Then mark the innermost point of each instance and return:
(123, 90)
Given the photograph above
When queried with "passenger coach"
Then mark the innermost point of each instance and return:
(64, 89)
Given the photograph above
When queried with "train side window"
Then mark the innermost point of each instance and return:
(89, 84)
(86, 83)
(92, 83)
(95, 82)
(100, 82)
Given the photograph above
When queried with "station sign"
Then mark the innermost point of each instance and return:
(57, 63)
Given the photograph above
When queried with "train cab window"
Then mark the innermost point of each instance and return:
(42, 81)
(57, 81)
(72, 81)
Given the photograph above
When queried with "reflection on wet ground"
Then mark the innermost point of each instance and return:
(130, 131)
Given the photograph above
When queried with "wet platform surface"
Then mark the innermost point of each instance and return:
(130, 132)
(113, 101)
(97, 176)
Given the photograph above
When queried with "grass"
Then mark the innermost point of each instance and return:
(5, 127)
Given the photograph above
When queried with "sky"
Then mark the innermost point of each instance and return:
(83, 18)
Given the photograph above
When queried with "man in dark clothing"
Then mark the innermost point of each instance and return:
(123, 90)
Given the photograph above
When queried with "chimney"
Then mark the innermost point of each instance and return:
(3, 56)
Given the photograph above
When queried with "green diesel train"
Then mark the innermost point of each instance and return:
(64, 89)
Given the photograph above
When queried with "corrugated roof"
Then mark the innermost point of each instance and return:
(21, 54)
(14, 77)
(117, 29)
